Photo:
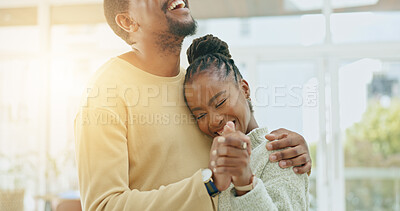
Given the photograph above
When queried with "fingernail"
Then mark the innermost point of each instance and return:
(226, 127)
(214, 152)
(221, 139)
(296, 170)
(215, 170)
(269, 146)
(212, 163)
(273, 157)
(283, 163)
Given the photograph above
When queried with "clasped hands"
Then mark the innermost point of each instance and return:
(230, 155)
(230, 158)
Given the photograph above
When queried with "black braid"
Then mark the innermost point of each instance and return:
(209, 51)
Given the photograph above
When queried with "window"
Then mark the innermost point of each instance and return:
(370, 111)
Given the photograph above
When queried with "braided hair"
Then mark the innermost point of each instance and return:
(210, 54)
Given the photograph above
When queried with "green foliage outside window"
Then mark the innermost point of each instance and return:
(374, 142)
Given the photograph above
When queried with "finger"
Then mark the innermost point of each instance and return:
(303, 169)
(288, 153)
(289, 141)
(273, 137)
(270, 146)
(297, 161)
(231, 125)
(236, 140)
(227, 151)
(231, 162)
(279, 131)
(214, 147)
(241, 143)
(229, 128)
(228, 171)
(217, 140)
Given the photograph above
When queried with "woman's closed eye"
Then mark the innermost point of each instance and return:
(220, 103)
(200, 116)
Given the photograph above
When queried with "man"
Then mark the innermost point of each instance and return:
(138, 148)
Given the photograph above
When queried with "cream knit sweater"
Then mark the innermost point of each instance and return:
(276, 189)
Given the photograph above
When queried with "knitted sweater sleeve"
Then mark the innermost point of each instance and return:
(276, 188)
(285, 193)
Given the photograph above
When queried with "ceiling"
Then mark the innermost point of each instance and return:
(25, 12)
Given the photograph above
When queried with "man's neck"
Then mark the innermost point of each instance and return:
(154, 58)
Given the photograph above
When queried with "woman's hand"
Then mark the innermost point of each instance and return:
(221, 181)
(230, 158)
(296, 155)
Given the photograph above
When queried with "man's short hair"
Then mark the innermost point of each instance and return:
(111, 9)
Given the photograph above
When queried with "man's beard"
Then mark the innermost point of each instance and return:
(180, 29)
(171, 41)
(177, 28)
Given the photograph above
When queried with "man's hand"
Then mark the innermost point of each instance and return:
(296, 155)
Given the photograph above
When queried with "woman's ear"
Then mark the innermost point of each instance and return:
(126, 22)
(245, 88)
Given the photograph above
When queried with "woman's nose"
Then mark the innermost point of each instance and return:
(216, 120)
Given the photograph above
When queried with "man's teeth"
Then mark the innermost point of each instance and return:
(175, 4)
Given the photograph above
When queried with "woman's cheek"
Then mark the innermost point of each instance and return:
(231, 111)
(202, 126)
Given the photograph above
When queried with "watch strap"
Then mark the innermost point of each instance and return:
(248, 187)
(211, 188)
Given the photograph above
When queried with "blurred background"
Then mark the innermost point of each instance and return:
(327, 69)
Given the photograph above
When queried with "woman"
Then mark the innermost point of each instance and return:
(219, 99)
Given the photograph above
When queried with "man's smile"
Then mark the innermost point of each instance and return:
(176, 4)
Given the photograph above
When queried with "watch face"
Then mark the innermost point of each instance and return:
(207, 174)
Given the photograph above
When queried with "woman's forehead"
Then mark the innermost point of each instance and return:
(208, 77)
(208, 84)
(211, 89)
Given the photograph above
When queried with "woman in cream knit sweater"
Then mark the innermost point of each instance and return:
(219, 99)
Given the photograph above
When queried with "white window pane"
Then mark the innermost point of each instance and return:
(266, 31)
(365, 27)
(282, 98)
(285, 95)
(19, 39)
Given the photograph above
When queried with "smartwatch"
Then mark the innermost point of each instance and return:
(208, 182)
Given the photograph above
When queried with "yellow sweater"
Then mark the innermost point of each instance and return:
(137, 146)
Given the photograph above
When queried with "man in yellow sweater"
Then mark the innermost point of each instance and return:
(137, 145)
